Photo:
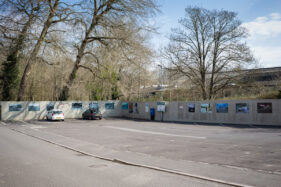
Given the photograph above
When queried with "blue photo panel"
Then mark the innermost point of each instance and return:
(125, 106)
(94, 105)
(109, 106)
(76, 106)
(34, 107)
(222, 107)
(15, 107)
(242, 108)
(50, 106)
(206, 108)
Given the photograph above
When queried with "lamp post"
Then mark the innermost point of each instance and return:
(161, 80)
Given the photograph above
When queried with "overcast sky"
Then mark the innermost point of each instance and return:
(262, 18)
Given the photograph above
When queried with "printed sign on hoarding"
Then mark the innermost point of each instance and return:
(15, 107)
(206, 108)
(76, 106)
(136, 108)
(50, 106)
(161, 106)
(191, 107)
(264, 107)
(109, 106)
(34, 107)
(146, 107)
(242, 108)
(222, 107)
(125, 106)
(94, 106)
(131, 107)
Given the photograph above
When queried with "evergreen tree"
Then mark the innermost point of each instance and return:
(9, 77)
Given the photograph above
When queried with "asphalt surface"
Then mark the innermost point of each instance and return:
(27, 161)
(234, 155)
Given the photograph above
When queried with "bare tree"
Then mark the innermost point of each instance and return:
(117, 68)
(208, 48)
(57, 12)
(100, 17)
(15, 22)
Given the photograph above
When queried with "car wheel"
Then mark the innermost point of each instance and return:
(100, 118)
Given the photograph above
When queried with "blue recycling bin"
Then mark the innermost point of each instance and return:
(152, 113)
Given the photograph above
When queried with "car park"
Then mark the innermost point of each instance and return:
(92, 114)
(55, 114)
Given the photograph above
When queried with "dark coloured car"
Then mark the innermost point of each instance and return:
(92, 114)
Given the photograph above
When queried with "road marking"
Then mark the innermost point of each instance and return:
(37, 127)
(32, 126)
(155, 133)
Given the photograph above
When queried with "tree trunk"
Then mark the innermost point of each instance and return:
(64, 95)
(203, 83)
(211, 86)
(204, 94)
(215, 53)
(98, 13)
(27, 70)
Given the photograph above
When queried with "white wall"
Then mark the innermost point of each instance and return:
(175, 111)
(178, 111)
(65, 106)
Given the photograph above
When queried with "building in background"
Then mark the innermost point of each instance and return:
(252, 83)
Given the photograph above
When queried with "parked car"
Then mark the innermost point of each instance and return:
(92, 114)
(55, 114)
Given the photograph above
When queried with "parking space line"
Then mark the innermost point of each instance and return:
(155, 133)
(32, 126)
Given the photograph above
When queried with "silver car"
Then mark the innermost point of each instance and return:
(55, 114)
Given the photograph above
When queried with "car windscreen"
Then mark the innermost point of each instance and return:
(57, 112)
